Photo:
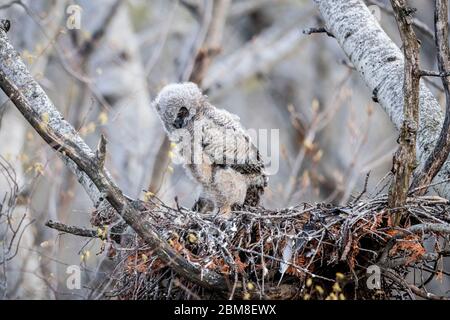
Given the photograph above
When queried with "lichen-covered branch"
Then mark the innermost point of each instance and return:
(76, 231)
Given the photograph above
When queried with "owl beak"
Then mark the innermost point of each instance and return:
(181, 119)
(178, 123)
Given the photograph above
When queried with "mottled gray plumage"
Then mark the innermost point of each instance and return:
(216, 150)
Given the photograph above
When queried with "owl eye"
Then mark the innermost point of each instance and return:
(181, 119)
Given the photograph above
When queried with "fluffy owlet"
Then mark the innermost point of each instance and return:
(216, 151)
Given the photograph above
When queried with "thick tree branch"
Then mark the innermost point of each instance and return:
(76, 231)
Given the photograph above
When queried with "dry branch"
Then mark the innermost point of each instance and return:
(404, 161)
(212, 44)
(317, 30)
(256, 57)
(76, 231)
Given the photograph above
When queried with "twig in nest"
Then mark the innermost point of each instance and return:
(364, 190)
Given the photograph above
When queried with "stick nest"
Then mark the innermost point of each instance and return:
(304, 252)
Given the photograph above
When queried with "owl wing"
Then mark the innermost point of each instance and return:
(225, 127)
(251, 164)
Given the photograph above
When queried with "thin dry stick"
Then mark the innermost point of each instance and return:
(404, 161)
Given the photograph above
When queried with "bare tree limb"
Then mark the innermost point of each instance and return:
(101, 151)
(212, 43)
(426, 295)
(113, 234)
(77, 231)
(256, 56)
(429, 73)
(88, 46)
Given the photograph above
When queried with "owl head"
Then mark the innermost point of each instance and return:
(177, 104)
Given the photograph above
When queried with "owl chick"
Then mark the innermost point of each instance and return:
(216, 151)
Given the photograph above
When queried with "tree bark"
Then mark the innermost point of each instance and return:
(441, 150)
(404, 161)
